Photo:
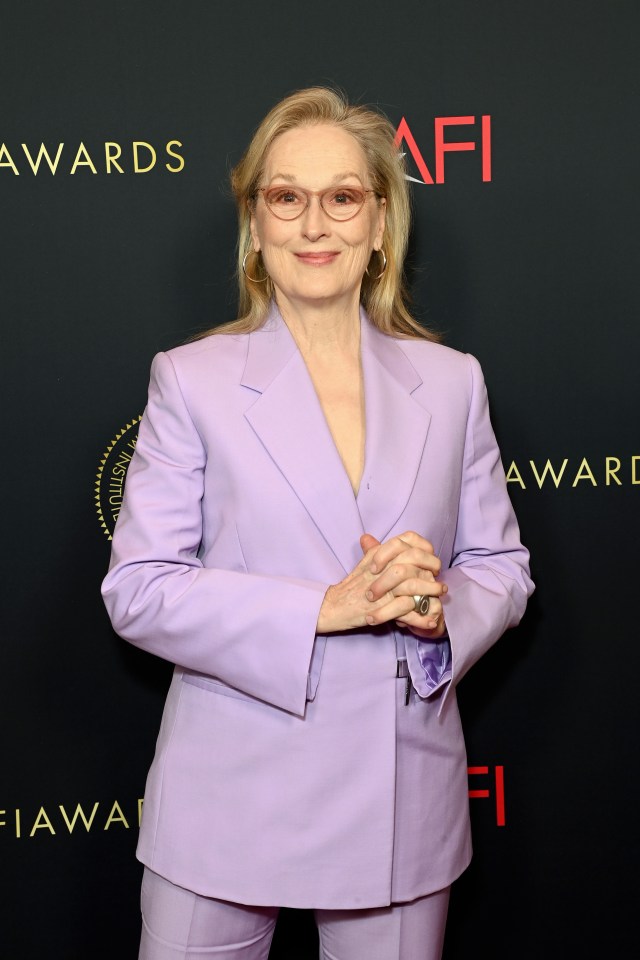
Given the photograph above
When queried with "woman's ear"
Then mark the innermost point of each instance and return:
(254, 234)
(382, 215)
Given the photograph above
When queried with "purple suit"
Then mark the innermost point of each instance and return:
(286, 773)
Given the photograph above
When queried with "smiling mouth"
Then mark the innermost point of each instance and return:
(317, 258)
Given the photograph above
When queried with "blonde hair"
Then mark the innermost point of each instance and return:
(384, 299)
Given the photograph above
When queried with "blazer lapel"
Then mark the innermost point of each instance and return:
(288, 419)
(397, 428)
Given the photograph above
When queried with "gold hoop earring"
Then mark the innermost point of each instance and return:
(384, 266)
(244, 269)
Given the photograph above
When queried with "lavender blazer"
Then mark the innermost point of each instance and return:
(282, 773)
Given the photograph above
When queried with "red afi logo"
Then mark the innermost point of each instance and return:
(498, 783)
(403, 133)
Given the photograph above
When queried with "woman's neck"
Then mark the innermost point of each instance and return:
(323, 329)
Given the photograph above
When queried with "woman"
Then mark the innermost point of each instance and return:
(316, 531)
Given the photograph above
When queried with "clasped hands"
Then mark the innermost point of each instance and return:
(381, 587)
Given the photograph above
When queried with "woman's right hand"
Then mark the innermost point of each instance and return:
(348, 604)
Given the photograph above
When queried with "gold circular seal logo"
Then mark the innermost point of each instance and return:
(111, 474)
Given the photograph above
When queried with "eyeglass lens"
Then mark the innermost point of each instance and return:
(340, 203)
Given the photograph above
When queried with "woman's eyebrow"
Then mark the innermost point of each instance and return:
(291, 178)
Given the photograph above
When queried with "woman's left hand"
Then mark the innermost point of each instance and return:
(407, 566)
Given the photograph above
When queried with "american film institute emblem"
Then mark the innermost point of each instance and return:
(111, 474)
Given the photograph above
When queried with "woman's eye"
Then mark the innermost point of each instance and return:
(343, 198)
(285, 197)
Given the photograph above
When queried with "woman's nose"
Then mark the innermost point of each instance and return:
(315, 222)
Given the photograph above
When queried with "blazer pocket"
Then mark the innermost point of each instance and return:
(214, 685)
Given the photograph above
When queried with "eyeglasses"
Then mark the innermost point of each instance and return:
(339, 203)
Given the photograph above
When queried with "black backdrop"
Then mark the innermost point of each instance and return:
(534, 271)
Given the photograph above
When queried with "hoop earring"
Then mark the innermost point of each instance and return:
(244, 270)
(384, 266)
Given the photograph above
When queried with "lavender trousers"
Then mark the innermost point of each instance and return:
(180, 925)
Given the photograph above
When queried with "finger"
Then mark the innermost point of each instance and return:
(413, 556)
(430, 624)
(407, 581)
(402, 609)
(395, 609)
(428, 627)
(363, 566)
(392, 548)
(368, 542)
(415, 540)
(434, 611)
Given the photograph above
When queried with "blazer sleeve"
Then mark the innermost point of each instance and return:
(488, 579)
(255, 633)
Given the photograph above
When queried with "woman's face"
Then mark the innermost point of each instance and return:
(315, 259)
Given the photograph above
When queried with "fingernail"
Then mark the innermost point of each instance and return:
(369, 620)
(374, 568)
(369, 595)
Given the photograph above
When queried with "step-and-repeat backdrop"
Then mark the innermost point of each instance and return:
(118, 126)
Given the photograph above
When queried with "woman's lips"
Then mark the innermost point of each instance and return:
(318, 259)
